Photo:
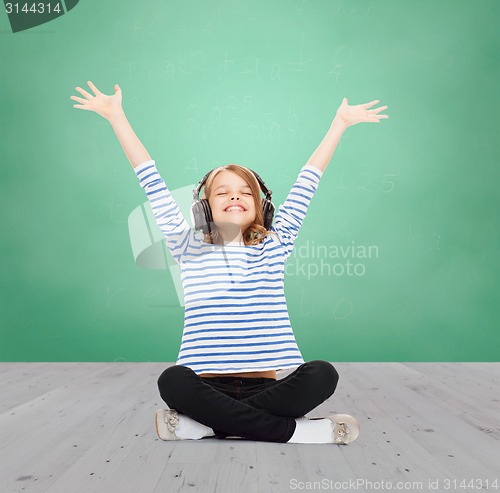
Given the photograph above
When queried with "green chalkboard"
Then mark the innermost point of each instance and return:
(397, 258)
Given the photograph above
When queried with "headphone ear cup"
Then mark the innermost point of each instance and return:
(199, 215)
(268, 213)
(195, 215)
(207, 215)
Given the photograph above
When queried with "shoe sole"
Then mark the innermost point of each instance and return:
(157, 415)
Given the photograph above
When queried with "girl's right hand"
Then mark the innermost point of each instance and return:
(106, 106)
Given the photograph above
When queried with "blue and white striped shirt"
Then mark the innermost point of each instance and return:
(235, 315)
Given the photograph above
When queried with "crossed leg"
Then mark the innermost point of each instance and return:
(266, 416)
(306, 388)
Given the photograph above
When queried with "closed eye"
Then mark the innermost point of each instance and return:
(225, 194)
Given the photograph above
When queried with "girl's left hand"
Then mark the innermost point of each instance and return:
(350, 115)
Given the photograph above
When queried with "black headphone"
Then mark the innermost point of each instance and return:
(201, 213)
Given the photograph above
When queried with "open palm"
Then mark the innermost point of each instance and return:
(103, 105)
(351, 115)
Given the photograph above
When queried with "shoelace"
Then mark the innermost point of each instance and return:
(342, 431)
(172, 420)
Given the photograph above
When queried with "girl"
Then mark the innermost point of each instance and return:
(237, 332)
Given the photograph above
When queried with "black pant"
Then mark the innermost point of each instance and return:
(261, 409)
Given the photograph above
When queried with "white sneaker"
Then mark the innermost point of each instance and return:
(345, 428)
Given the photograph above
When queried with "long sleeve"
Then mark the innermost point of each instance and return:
(169, 218)
(291, 213)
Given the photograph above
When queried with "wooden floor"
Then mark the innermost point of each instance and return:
(89, 427)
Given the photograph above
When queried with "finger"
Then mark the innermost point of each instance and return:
(368, 105)
(94, 88)
(80, 106)
(376, 110)
(80, 100)
(84, 92)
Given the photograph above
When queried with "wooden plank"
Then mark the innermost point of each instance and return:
(208, 478)
(463, 401)
(444, 436)
(19, 370)
(127, 457)
(479, 385)
(26, 382)
(382, 452)
(291, 466)
(47, 435)
(491, 371)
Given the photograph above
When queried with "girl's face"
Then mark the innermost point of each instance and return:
(230, 190)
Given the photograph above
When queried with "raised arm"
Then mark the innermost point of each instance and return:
(135, 151)
(290, 215)
(110, 108)
(345, 117)
(167, 214)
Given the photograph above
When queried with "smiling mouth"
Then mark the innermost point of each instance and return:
(236, 209)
